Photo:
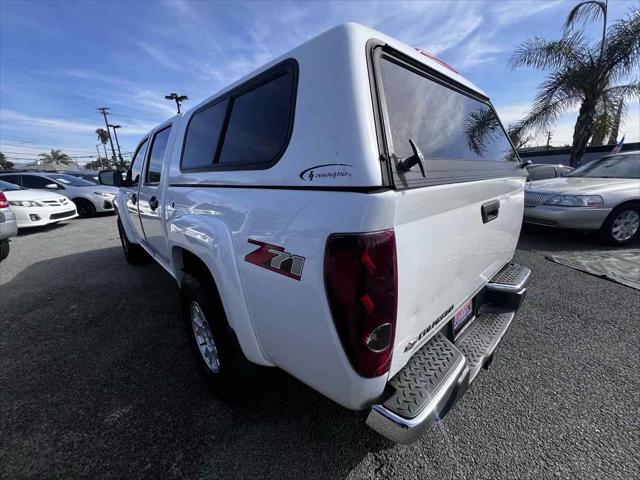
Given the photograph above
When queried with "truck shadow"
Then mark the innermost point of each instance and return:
(101, 381)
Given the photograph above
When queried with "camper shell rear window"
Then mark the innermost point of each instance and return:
(458, 133)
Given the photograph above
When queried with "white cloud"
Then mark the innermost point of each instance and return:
(507, 13)
(11, 119)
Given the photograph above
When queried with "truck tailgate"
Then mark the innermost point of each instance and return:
(447, 252)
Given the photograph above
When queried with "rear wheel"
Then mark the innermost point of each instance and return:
(85, 208)
(622, 225)
(133, 253)
(214, 344)
(4, 249)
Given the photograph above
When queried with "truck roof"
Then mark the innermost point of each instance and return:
(357, 36)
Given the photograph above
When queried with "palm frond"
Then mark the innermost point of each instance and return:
(622, 47)
(480, 127)
(541, 54)
(583, 12)
(545, 112)
(620, 92)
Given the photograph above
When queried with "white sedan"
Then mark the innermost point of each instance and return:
(34, 208)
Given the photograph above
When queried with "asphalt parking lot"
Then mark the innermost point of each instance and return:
(97, 380)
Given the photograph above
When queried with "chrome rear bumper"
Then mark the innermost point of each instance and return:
(440, 372)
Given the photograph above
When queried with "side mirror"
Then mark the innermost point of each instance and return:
(112, 178)
(51, 186)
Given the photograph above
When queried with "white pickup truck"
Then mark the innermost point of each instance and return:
(348, 213)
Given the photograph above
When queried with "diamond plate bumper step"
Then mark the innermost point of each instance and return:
(512, 278)
(439, 373)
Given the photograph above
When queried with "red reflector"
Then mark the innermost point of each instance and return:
(360, 275)
(436, 59)
(3, 201)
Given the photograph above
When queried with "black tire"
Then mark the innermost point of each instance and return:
(4, 249)
(233, 374)
(85, 208)
(608, 232)
(133, 253)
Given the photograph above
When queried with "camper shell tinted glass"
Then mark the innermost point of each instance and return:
(458, 132)
(257, 123)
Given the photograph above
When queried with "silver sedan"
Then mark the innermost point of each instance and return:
(601, 195)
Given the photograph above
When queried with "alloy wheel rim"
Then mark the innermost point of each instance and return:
(625, 225)
(204, 338)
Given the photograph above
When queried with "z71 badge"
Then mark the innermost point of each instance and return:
(274, 258)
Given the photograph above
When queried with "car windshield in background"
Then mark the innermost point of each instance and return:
(72, 181)
(8, 187)
(617, 166)
(445, 123)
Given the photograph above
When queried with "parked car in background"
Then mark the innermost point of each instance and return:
(539, 171)
(602, 195)
(88, 197)
(35, 208)
(8, 226)
(372, 263)
(90, 177)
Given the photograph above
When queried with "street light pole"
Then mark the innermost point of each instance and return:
(104, 111)
(178, 98)
(115, 134)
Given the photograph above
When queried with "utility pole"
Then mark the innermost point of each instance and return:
(118, 143)
(548, 139)
(178, 98)
(104, 111)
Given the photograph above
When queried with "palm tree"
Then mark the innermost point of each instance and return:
(103, 137)
(56, 157)
(584, 73)
(4, 163)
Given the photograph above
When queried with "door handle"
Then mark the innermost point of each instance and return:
(134, 198)
(153, 203)
(490, 211)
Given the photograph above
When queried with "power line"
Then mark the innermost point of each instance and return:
(45, 146)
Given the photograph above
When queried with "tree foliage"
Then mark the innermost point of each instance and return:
(4, 163)
(55, 157)
(593, 76)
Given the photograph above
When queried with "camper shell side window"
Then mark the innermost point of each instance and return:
(247, 128)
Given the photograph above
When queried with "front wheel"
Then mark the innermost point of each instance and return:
(84, 207)
(133, 253)
(4, 249)
(214, 344)
(622, 225)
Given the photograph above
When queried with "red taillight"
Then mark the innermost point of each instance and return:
(4, 203)
(360, 276)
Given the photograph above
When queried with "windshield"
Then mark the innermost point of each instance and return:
(72, 181)
(88, 178)
(8, 187)
(616, 166)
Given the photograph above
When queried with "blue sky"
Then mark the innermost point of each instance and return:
(61, 60)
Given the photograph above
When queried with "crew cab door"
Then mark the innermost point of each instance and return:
(458, 223)
(151, 194)
(131, 188)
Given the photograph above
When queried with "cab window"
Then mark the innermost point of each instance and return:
(133, 176)
(158, 149)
